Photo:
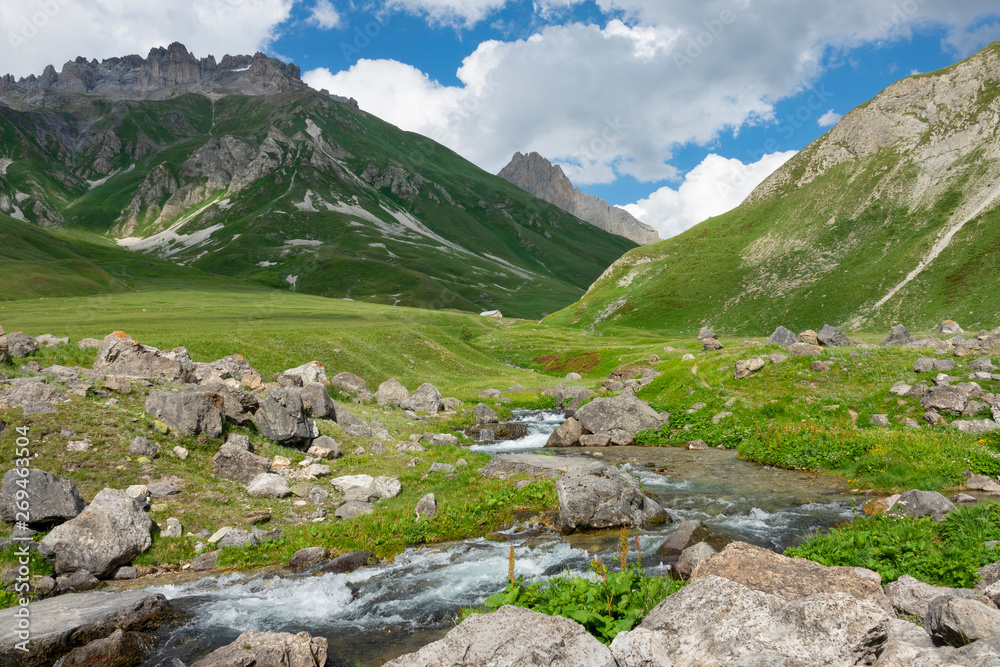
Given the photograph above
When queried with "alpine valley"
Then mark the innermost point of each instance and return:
(238, 169)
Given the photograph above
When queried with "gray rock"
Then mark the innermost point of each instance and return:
(282, 419)
(916, 503)
(983, 364)
(237, 537)
(425, 399)
(426, 506)
(945, 398)
(237, 464)
(678, 540)
(111, 531)
(120, 355)
(32, 393)
(944, 365)
(353, 509)
(324, 447)
(911, 597)
(512, 636)
(386, 487)
(269, 485)
(706, 333)
(485, 414)
(162, 488)
(606, 498)
(86, 343)
(711, 345)
(571, 398)
(976, 426)
(269, 649)
(189, 412)
(205, 561)
(58, 623)
(392, 392)
(715, 621)
(539, 466)
(347, 419)
(81, 580)
(832, 337)
(691, 557)
(959, 621)
(234, 366)
(316, 400)
(880, 420)
(640, 647)
(746, 367)
(627, 414)
(349, 562)
(121, 649)
(51, 498)
(141, 446)
(20, 345)
(126, 573)
(900, 335)
(595, 440)
(312, 371)
(441, 467)
(783, 337)
(353, 386)
(573, 377)
(950, 327)
(173, 529)
(308, 557)
(934, 419)
(923, 365)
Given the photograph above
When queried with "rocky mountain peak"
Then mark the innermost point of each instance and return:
(547, 181)
(163, 73)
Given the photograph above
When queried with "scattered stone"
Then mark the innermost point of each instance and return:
(88, 343)
(282, 419)
(820, 366)
(809, 337)
(392, 392)
(254, 518)
(32, 394)
(880, 420)
(982, 483)
(309, 372)
(386, 487)
(745, 367)
(353, 386)
(162, 488)
(697, 445)
(678, 540)
(963, 498)
(353, 509)
(910, 422)
(604, 498)
(111, 531)
(959, 621)
(141, 446)
(126, 573)
(687, 357)
(711, 345)
(119, 354)
(573, 377)
(934, 419)
(900, 335)
(983, 364)
(441, 467)
(190, 412)
(234, 463)
(426, 398)
(268, 485)
(119, 649)
(205, 561)
(81, 580)
(911, 597)
(173, 529)
(944, 365)
(325, 447)
(426, 506)
(237, 537)
(782, 337)
(595, 440)
(950, 327)
(118, 384)
(706, 333)
(832, 337)
(691, 557)
(316, 401)
(916, 503)
(52, 498)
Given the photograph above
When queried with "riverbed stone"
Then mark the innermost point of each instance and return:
(485, 414)
(52, 498)
(619, 413)
(916, 503)
(539, 465)
(607, 498)
(119, 649)
(790, 578)
(566, 435)
(691, 556)
(111, 531)
(349, 562)
(509, 637)
(959, 621)
(305, 558)
(269, 649)
(716, 621)
(678, 540)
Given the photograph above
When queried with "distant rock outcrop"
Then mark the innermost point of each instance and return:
(164, 73)
(546, 181)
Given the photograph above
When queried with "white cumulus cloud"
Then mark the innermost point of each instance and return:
(450, 12)
(324, 15)
(829, 119)
(36, 34)
(715, 186)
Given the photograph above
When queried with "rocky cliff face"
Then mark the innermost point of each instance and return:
(164, 73)
(546, 181)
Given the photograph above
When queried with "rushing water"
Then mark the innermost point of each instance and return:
(375, 614)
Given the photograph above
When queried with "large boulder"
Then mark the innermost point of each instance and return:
(805, 350)
(345, 417)
(832, 337)
(745, 367)
(20, 345)
(426, 398)
(29, 394)
(621, 417)
(50, 498)
(716, 621)
(511, 637)
(946, 398)
(567, 435)
(950, 328)
(119, 354)
(119, 649)
(899, 335)
(783, 337)
(706, 333)
(604, 498)
(268, 485)
(959, 621)
(911, 597)
(234, 366)
(679, 539)
(391, 392)
(238, 464)
(917, 503)
(485, 414)
(269, 649)
(316, 401)
(352, 385)
(282, 418)
(571, 398)
(189, 412)
(789, 578)
(110, 532)
(309, 372)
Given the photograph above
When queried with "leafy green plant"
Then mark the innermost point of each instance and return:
(610, 603)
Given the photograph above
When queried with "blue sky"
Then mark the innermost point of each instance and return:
(675, 109)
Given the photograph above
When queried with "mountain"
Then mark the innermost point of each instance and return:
(892, 216)
(541, 178)
(242, 171)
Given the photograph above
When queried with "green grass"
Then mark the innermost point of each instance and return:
(948, 553)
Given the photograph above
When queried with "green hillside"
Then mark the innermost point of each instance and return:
(893, 216)
(295, 191)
